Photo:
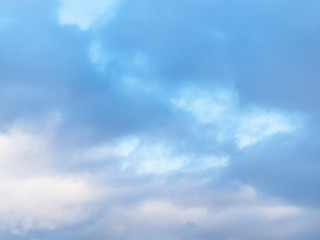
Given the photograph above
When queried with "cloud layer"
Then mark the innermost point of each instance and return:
(159, 120)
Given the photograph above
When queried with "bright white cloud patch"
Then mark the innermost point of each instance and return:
(44, 202)
(34, 195)
(25, 149)
(246, 126)
(85, 13)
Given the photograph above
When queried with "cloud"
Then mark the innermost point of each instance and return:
(97, 56)
(207, 108)
(244, 125)
(147, 156)
(222, 214)
(18, 146)
(85, 13)
(44, 202)
(160, 214)
(171, 165)
(259, 124)
(36, 195)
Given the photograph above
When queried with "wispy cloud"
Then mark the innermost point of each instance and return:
(85, 13)
(145, 156)
(246, 125)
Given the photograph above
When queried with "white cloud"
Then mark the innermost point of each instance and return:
(126, 146)
(207, 108)
(213, 162)
(156, 158)
(149, 157)
(38, 196)
(44, 202)
(85, 13)
(240, 211)
(279, 212)
(259, 124)
(34, 194)
(245, 125)
(163, 213)
(23, 148)
(46, 199)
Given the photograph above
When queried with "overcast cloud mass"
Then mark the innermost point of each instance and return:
(163, 120)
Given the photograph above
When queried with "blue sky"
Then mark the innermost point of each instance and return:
(162, 120)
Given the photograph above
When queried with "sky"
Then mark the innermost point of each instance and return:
(164, 120)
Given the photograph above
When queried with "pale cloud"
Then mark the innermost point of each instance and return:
(126, 146)
(156, 158)
(152, 157)
(85, 13)
(44, 202)
(245, 125)
(209, 108)
(23, 148)
(35, 195)
(122, 148)
(163, 213)
(258, 124)
(42, 198)
(98, 56)
(28, 146)
(213, 162)
(279, 212)
(135, 84)
(46, 199)
(219, 210)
